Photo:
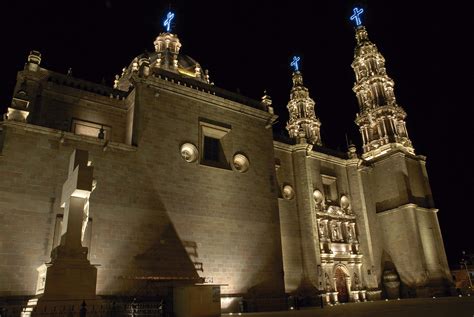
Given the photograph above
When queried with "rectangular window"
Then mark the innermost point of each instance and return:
(212, 149)
(215, 143)
(330, 188)
(327, 190)
(91, 129)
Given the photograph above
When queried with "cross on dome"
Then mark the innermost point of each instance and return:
(167, 22)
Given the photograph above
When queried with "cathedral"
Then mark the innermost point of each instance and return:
(166, 179)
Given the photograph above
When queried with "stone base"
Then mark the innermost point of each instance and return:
(374, 294)
(70, 279)
(392, 292)
(200, 300)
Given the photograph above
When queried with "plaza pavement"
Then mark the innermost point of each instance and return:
(419, 307)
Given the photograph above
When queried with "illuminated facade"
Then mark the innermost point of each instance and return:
(192, 186)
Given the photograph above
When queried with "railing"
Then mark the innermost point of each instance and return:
(85, 85)
(211, 89)
(96, 308)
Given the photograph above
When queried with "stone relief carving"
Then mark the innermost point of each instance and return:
(241, 163)
(288, 192)
(356, 281)
(189, 152)
(322, 229)
(345, 203)
(318, 198)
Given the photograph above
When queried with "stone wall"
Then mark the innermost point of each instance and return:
(153, 214)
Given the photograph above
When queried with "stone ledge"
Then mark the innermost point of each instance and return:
(67, 135)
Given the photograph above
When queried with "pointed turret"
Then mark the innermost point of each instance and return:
(380, 119)
(303, 125)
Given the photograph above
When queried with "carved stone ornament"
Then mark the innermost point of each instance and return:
(241, 163)
(345, 203)
(189, 152)
(318, 197)
(288, 192)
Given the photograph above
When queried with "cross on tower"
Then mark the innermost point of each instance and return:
(167, 23)
(294, 63)
(356, 16)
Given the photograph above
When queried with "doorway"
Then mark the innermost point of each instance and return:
(341, 285)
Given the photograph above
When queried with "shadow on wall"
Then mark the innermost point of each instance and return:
(141, 251)
(167, 258)
(405, 195)
(267, 292)
(163, 264)
(307, 293)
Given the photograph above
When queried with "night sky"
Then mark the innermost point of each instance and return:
(247, 47)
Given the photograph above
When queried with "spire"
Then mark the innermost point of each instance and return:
(303, 125)
(380, 119)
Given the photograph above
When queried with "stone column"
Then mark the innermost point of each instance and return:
(310, 246)
(69, 275)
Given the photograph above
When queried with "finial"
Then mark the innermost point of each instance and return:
(34, 60)
(167, 22)
(197, 70)
(267, 101)
(294, 63)
(116, 81)
(356, 16)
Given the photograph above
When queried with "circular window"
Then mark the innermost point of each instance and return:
(189, 152)
(241, 163)
(288, 192)
(345, 202)
(318, 197)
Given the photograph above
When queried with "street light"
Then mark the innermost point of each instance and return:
(463, 261)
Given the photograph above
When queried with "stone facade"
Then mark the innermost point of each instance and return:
(193, 187)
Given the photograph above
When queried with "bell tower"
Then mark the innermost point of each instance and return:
(406, 233)
(303, 124)
(380, 119)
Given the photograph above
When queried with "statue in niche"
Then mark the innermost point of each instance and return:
(335, 232)
(350, 233)
(356, 281)
(322, 229)
(328, 282)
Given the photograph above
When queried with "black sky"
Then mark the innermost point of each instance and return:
(247, 46)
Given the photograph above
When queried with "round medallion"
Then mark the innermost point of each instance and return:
(318, 197)
(189, 152)
(345, 202)
(241, 163)
(288, 192)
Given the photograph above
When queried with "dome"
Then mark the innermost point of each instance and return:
(166, 56)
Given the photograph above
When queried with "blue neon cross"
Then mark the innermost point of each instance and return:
(356, 16)
(167, 23)
(294, 63)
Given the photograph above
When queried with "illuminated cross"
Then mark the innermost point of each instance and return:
(356, 16)
(167, 23)
(294, 63)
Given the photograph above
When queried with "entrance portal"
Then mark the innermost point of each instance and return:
(341, 285)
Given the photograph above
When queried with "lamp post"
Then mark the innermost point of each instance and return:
(463, 261)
